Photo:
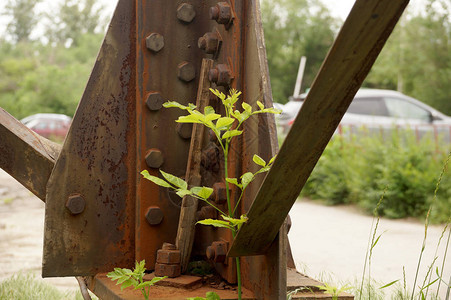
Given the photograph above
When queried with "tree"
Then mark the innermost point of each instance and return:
(23, 18)
(417, 58)
(293, 29)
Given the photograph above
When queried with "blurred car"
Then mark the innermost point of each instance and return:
(376, 109)
(51, 126)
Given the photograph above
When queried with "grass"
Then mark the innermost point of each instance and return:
(27, 286)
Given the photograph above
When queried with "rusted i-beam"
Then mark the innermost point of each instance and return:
(26, 155)
(354, 51)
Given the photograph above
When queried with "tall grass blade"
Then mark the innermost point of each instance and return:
(444, 259)
(426, 222)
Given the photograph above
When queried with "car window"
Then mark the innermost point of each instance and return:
(368, 106)
(399, 108)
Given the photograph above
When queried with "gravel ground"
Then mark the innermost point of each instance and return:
(327, 242)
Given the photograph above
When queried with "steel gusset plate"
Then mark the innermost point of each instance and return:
(150, 55)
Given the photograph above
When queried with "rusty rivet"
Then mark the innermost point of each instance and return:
(186, 12)
(168, 246)
(219, 192)
(217, 252)
(154, 215)
(155, 42)
(184, 130)
(75, 204)
(221, 75)
(209, 42)
(154, 158)
(154, 101)
(221, 13)
(186, 71)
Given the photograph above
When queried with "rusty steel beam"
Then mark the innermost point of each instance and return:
(25, 155)
(354, 51)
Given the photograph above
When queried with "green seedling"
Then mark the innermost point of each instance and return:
(209, 296)
(333, 290)
(225, 129)
(127, 278)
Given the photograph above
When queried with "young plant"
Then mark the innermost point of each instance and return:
(135, 278)
(333, 290)
(225, 129)
(209, 296)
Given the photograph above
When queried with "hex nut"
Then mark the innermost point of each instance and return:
(186, 12)
(75, 204)
(154, 215)
(184, 130)
(168, 246)
(154, 101)
(168, 270)
(221, 13)
(219, 192)
(168, 257)
(209, 42)
(217, 252)
(155, 42)
(221, 75)
(207, 212)
(186, 71)
(154, 158)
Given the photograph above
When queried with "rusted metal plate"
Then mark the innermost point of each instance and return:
(97, 162)
(25, 155)
(347, 64)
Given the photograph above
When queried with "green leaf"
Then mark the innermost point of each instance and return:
(182, 193)
(389, 284)
(216, 223)
(231, 133)
(211, 117)
(127, 283)
(208, 110)
(272, 159)
(259, 161)
(175, 104)
(150, 282)
(247, 107)
(224, 122)
(234, 181)
(178, 182)
(218, 94)
(193, 118)
(212, 296)
(260, 105)
(246, 178)
(202, 192)
(154, 179)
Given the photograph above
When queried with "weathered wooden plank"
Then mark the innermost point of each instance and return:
(25, 155)
(187, 222)
(348, 62)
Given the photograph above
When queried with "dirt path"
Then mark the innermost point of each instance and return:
(331, 242)
(21, 233)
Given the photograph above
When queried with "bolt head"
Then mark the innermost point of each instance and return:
(220, 251)
(209, 42)
(154, 101)
(186, 71)
(154, 215)
(184, 130)
(186, 12)
(222, 13)
(168, 257)
(154, 158)
(219, 192)
(155, 42)
(75, 204)
(168, 246)
(171, 271)
(213, 75)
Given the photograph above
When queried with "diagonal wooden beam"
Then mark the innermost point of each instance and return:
(25, 155)
(354, 51)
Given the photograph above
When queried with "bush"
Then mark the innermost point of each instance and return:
(357, 171)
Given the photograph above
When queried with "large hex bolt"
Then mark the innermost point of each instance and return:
(219, 192)
(154, 215)
(217, 252)
(154, 101)
(75, 204)
(168, 257)
(209, 42)
(184, 130)
(221, 75)
(154, 158)
(221, 13)
(186, 12)
(171, 271)
(155, 42)
(207, 212)
(186, 71)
